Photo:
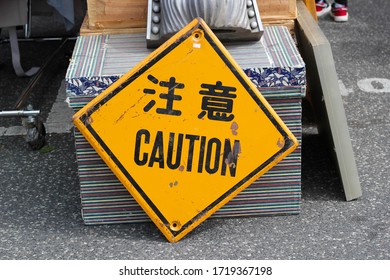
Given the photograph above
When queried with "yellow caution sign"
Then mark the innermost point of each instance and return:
(185, 130)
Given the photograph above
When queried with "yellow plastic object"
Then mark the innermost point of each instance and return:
(311, 6)
(185, 130)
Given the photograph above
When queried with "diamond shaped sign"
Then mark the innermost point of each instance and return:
(185, 130)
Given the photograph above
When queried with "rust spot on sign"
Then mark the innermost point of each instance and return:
(88, 121)
(232, 157)
(173, 184)
(234, 128)
(280, 143)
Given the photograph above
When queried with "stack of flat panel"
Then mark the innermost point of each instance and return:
(273, 64)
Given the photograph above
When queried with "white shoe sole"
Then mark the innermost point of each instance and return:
(324, 11)
(339, 18)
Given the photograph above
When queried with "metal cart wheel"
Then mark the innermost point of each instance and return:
(32, 121)
(36, 134)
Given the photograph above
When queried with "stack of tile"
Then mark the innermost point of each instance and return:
(273, 64)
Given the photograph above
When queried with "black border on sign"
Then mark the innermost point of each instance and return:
(119, 88)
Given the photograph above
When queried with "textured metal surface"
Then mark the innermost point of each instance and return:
(231, 19)
(218, 14)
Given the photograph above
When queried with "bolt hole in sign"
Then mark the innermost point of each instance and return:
(185, 130)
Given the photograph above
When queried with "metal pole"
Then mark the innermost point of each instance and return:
(22, 98)
(19, 113)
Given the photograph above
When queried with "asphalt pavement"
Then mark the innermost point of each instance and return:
(40, 200)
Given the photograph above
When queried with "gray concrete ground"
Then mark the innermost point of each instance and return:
(39, 198)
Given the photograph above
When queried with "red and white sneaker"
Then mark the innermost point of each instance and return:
(339, 12)
(322, 7)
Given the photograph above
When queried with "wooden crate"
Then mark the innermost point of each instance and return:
(277, 9)
(124, 14)
(85, 29)
(117, 14)
(289, 23)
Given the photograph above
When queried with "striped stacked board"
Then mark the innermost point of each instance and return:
(273, 64)
(100, 60)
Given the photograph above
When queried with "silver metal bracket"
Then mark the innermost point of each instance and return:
(230, 20)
